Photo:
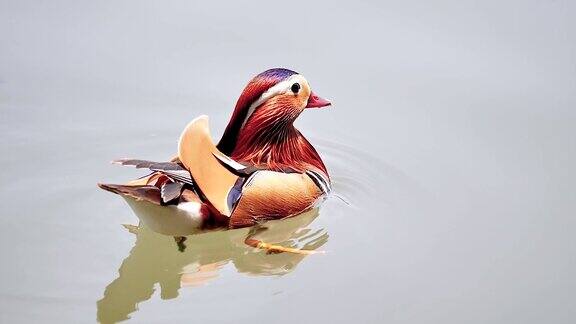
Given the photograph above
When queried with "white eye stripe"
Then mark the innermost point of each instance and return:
(279, 88)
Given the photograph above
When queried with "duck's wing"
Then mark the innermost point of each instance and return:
(198, 154)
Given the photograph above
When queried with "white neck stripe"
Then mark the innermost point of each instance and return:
(279, 88)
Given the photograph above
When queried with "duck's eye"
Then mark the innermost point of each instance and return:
(295, 87)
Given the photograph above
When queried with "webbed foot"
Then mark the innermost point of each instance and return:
(180, 242)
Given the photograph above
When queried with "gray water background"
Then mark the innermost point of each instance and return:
(451, 137)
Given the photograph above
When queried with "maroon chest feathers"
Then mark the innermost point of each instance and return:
(269, 138)
(279, 149)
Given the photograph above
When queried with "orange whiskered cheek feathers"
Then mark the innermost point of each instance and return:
(284, 107)
(274, 114)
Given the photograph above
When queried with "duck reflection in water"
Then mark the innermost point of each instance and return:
(155, 259)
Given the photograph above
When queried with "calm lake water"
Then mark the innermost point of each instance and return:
(451, 145)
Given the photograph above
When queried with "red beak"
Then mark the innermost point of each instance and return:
(317, 102)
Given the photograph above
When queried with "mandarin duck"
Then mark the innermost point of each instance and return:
(262, 168)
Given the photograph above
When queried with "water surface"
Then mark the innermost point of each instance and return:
(451, 147)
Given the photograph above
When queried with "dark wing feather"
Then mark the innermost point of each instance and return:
(148, 193)
(145, 164)
(239, 169)
(170, 191)
(138, 164)
(171, 169)
(244, 169)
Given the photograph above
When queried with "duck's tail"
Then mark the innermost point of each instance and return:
(139, 192)
(183, 216)
(162, 187)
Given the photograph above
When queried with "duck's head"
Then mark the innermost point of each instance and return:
(272, 100)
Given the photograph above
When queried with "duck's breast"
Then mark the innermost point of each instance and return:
(273, 195)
